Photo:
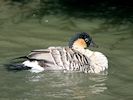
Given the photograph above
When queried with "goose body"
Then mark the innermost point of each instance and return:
(73, 58)
(57, 58)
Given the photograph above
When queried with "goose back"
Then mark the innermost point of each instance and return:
(62, 58)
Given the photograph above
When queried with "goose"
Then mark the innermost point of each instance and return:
(74, 57)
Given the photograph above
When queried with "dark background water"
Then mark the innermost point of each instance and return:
(30, 24)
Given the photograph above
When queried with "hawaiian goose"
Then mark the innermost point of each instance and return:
(76, 57)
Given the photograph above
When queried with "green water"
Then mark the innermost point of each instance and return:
(115, 41)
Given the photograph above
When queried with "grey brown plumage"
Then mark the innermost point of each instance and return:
(61, 58)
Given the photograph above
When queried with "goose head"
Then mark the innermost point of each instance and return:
(81, 40)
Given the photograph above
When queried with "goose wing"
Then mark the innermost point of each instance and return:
(39, 54)
(65, 58)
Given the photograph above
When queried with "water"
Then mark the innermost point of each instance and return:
(115, 41)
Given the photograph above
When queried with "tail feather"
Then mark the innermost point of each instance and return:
(21, 57)
(17, 67)
(19, 63)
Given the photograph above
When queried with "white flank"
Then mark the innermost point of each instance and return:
(35, 67)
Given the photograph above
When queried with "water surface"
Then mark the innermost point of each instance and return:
(115, 41)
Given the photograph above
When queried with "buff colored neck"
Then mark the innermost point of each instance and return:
(79, 44)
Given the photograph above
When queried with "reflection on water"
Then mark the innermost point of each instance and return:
(60, 84)
(97, 88)
(100, 85)
(35, 78)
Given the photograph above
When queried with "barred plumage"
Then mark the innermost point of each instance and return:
(61, 58)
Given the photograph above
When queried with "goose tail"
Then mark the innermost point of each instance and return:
(24, 63)
(17, 65)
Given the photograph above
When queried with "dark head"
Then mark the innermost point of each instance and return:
(81, 40)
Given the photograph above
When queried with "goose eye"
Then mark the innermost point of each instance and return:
(86, 39)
